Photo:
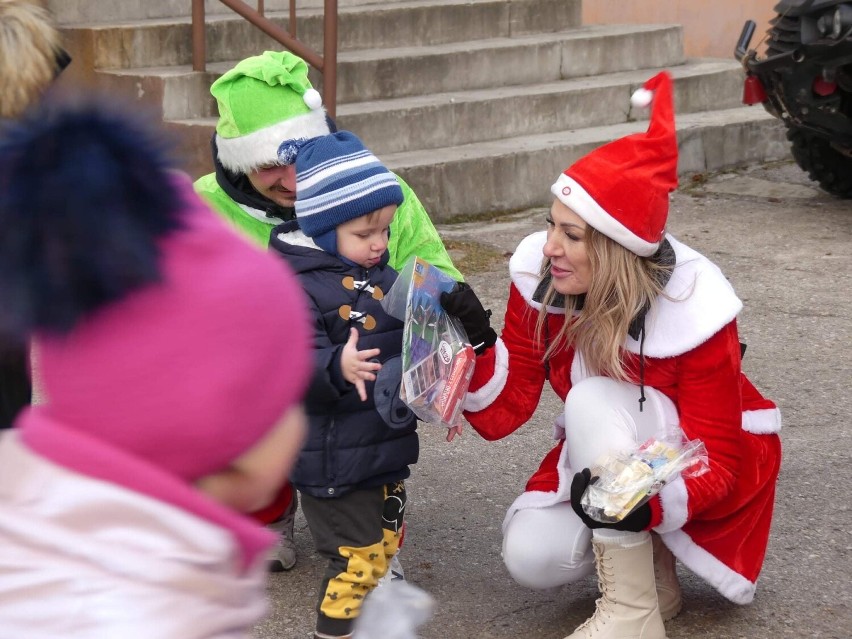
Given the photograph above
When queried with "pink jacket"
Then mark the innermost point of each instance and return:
(137, 567)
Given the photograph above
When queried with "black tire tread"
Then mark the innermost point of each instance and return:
(823, 163)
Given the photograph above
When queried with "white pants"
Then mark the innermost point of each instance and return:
(547, 547)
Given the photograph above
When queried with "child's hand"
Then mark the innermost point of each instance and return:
(454, 431)
(355, 365)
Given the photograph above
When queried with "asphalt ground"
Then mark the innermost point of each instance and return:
(787, 249)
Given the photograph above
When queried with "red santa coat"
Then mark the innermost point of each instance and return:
(717, 524)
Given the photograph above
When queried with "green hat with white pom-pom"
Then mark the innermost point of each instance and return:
(264, 101)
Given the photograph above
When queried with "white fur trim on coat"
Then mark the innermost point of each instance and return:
(762, 422)
(698, 300)
(728, 582)
(298, 238)
(260, 148)
(485, 395)
(525, 266)
(673, 500)
(261, 216)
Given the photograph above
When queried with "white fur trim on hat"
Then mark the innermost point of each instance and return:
(575, 197)
(260, 148)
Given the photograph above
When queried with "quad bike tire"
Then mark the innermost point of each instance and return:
(822, 162)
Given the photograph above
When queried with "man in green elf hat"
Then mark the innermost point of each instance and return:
(267, 101)
(266, 105)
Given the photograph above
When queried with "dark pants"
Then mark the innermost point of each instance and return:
(358, 534)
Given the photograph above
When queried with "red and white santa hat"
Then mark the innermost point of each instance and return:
(622, 188)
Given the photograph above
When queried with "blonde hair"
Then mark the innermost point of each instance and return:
(29, 44)
(622, 286)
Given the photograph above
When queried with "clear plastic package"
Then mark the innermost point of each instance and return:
(393, 611)
(623, 482)
(437, 358)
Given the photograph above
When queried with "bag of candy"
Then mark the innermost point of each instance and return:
(623, 482)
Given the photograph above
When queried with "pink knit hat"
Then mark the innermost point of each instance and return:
(191, 372)
(167, 345)
(160, 333)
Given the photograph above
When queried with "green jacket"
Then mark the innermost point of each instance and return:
(412, 232)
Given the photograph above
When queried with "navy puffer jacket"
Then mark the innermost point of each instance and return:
(351, 444)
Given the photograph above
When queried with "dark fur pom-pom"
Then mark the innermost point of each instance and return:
(85, 194)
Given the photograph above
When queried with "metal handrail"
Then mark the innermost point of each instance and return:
(325, 64)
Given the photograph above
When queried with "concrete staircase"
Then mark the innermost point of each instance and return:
(478, 104)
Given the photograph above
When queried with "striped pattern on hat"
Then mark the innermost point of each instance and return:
(337, 180)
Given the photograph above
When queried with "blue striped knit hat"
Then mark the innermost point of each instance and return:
(337, 180)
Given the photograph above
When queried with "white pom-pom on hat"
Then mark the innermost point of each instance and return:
(642, 98)
(313, 99)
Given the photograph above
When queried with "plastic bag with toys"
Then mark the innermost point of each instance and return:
(437, 358)
(623, 482)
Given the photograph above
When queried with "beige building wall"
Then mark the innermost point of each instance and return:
(710, 28)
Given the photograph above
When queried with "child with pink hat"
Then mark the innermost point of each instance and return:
(173, 356)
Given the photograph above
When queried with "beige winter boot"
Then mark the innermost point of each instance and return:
(668, 587)
(627, 608)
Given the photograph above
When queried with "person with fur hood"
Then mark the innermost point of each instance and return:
(173, 384)
(637, 333)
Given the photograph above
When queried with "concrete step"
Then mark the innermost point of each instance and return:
(67, 12)
(590, 50)
(516, 173)
(177, 92)
(168, 92)
(428, 122)
(493, 175)
(425, 122)
(162, 42)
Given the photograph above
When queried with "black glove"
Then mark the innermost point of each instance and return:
(636, 521)
(463, 303)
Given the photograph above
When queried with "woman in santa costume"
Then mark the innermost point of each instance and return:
(638, 334)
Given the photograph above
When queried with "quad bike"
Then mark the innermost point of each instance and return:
(805, 80)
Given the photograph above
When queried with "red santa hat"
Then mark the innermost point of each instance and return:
(622, 188)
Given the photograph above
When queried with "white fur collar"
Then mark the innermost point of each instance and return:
(261, 216)
(699, 300)
(298, 238)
